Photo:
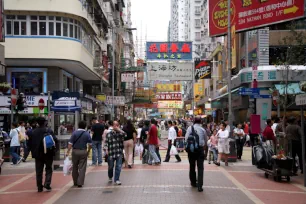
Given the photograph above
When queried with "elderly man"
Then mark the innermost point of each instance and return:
(197, 157)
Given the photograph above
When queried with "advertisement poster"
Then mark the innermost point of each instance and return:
(169, 50)
(202, 70)
(251, 14)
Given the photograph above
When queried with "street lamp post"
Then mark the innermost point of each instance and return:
(229, 58)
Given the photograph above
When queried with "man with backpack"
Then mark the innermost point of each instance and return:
(196, 140)
(42, 144)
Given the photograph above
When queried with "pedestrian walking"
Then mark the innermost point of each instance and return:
(172, 135)
(97, 130)
(240, 138)
(15, 144)
(129, 141)
(223, 144)
(30, 129)
(43, 157)
(196, 157)
(213, 147)
(114, 149)
(152, 141)
(78, 143)
(2, 148)
(143, 141)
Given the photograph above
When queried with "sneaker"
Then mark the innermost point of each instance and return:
(39, 190)
(20, 160)
(110, 180)
(118, 183)
(100, 164)
(48, 188)
(92, 164)
(130, 166)
(13, 163)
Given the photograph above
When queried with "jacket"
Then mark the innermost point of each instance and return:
(36, 143)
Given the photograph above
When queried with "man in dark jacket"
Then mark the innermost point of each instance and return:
(41, 158)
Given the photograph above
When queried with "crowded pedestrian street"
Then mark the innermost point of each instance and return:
(168, 183)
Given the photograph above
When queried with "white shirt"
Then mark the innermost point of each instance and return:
(172, 134)
(228, 128)
(274, 127)
(15, 140)
(139, 132)
(238, 131)
(223, 134)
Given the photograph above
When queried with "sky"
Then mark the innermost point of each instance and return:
(150, 17)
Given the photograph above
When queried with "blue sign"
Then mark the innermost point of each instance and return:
(214, 114)
(261, 96)
(249, 91)
(169, 50)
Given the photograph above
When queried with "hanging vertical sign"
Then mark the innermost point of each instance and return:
(202, 70)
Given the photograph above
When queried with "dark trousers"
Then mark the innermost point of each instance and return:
(196, 159)
(40, 163)
(178, 158)
(158, 154)
(239, 147)
(296, 148)
(79, 163)
(26, 151)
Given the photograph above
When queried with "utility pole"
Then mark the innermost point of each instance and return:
(229, 65)
(113, 73)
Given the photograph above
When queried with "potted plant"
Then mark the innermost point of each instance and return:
(4, 87)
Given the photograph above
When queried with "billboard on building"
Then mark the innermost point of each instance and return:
(127, 77)
(247, 14)
(176, 71)
(170, 104)
(202, 69)
(169, 50)
(118, 100)
(169, 96)
(168, 87)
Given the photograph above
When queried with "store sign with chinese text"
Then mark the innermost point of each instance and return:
(127, 77)
(250, 14)
(170, 71)
(169, 96)
(170, 104)
(168, 87)
(118, 100)
(202, 70)
(169, 50)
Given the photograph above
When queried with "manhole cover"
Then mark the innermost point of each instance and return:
(107, 191)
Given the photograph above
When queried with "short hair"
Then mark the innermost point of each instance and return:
(14, 124)
(291, 120)
(153, 121)
(82, 124)
(41, 121)
(174, 122)
(268, 121)
(20, 122)
(147, 123)
(94, 118)
(277, 120)
(197, 120)
(169, 122)
(224, 124)
(110, 123)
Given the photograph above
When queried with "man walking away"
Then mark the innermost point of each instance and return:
(15, 145)
(171, 141)
(143, 140)
(197, 157)
(42, 158)
(153, 142)
(78, 142)
(97, 129)
(114, 150)
(239, 136)
(28, 134)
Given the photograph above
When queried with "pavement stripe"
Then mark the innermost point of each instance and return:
(165, 169)
(26, 191)
(248, 193)
(277, 191)
(63, 190)
(17, 182)
(300, 186)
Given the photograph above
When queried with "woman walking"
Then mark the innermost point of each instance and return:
(223, 144)
(129, 139)
(213, 147)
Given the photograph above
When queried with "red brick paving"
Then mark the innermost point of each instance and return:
(280, 198)
(6, 180)
(258, 181)
(26, 198)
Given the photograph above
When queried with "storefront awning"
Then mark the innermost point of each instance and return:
(292, 88)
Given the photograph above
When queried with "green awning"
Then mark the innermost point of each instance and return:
(292, 89)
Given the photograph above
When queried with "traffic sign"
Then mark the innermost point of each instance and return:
(249, 91)
(300, 99)
(261, 96)
(41, 104)
(14, 93)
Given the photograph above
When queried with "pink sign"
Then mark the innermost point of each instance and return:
(169, 96)
(255, 124)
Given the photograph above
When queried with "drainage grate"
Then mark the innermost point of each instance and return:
(107, 192)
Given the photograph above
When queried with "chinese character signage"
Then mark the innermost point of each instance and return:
(170, 104)
(170, 71)
(127, 77)
(202, 70)
(250, 14)
(168, 87)
(169, 96)
(169, 50)
(118, 100)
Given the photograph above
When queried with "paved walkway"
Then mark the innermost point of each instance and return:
(168, 183)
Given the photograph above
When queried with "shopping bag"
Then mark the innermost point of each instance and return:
(173, 151)
(137, 150)
(67, 166)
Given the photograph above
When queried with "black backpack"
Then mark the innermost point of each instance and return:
(192, 144)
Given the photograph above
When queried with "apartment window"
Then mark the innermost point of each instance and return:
(197, 10)
(197, 23)
(16, 25)
(197, 36)
(202, 47)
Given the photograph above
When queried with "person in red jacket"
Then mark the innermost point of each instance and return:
(268, 133)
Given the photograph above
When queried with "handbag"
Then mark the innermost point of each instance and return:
(21, 137)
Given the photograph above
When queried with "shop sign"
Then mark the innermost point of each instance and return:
(260, 76)
(146, 105)
(117, 101)
(64, 103)
(169, 96)
(168, 87)
(202, 70)
(170, 104)
(101, 97)
(169, 50)
(175, 71)
(29, 110)
(30, 100)
(250, 14)
(127, 77)
(300, 99)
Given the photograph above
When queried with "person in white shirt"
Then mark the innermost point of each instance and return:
(223, 144)
(240, 138)
(227, 127)
(171, 141)
(15, 145)
(275, 124)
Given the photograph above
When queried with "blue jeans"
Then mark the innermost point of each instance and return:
(111, 163)
(14, 153)
(96, 149)
(214, 151)
(153, 156)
